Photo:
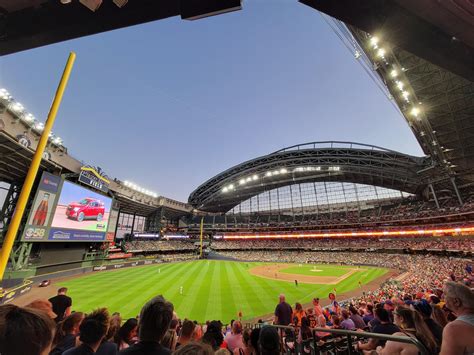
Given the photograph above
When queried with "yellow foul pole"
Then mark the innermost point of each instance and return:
(202, 224)
(32, 172)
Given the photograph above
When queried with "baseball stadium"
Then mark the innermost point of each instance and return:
(320, 247)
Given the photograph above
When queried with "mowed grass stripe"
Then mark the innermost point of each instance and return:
(185, 309)
(201, 300)
(171, 287)
(251, 290)
(227, 293)
(242, 303)
(212, 289)
(125, 281)
(145, 280)
(189, 276)
(215, 310)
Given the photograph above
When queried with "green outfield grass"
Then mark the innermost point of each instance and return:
(318, 270)
(212, 289)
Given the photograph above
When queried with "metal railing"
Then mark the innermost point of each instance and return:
(342, 341)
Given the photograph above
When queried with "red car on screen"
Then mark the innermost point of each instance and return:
(88, 208)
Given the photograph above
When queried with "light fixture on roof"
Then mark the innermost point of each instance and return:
(373, 41)
(276, 172)
(197, 9)
(268, 173)
(231, 186)
(381, 52)
(92, 5)
(17, 107)
(255, 177)
(248, 179)
(39, 126)
(140, 189)
(29, 118)
(283, 171)
(415, 111)
(4, 94)
(394, 73)
(405, 94)
(241, 181)
(400, 85)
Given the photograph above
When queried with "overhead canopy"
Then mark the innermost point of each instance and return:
(26, 24)
(311, 162)
(441, 32)
(430, 47)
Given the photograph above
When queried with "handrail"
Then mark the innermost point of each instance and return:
(364, 335)
(349, 334)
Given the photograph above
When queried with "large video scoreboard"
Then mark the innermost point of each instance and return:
(64, 211)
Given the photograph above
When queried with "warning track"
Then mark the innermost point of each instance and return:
(273, 272)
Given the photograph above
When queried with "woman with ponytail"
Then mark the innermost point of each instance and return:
(66, 332)
(411, 324)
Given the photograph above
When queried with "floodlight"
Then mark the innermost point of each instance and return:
(4, 94)
(373, 41)
(400, 85)
(39, 126)
(17, 107)
(225, 189)
(29, 118)
(197, 9)
(283, 171)
(268, 173)
(255, 177)
(92, 5)
(394, 73)
(231, 186)
(248, 179)
(415, 111)
(381, 52)
(405, 94)
(242, 181)
(276, 172)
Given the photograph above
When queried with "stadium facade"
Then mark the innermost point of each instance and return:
(314, 187)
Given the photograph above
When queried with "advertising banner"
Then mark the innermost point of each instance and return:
(94, 177)
(42, 209)
(127, 264)
(9, 295)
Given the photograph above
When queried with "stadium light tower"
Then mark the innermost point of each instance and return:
(197, 9)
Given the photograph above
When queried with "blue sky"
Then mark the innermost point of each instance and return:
(171, 103)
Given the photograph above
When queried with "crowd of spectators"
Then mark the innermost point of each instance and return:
(431, 300)
(441, 320)
(138, 246)
(420, 272)
(414, 243)
(410, 210)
